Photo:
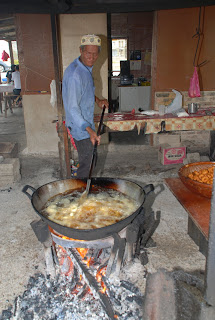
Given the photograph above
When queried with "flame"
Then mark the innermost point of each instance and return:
(104, 288)
(61, 235)
(82, 251)
(88, 261)
(101, 272)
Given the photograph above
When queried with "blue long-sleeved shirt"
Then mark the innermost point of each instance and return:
(78, 94)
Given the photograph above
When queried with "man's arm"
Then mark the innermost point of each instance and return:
(93, 136)
(101, 103)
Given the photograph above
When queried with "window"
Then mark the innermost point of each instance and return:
(119, 52)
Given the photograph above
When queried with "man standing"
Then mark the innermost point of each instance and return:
(79, 99)
(17, 81)
(9, 73)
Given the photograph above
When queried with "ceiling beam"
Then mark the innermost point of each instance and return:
(10, 29)
(8, 37)
(6, 22)
(96, 6)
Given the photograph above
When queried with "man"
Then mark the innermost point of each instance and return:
(17, 81)
(17, 85)
(9, 73)
(79, 99)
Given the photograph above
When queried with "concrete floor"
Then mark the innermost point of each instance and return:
(22, 254)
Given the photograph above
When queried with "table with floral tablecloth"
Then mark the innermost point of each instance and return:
(127, 121)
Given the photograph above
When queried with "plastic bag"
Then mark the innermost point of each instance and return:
(53, 99)
(4, 56)
(194, 90)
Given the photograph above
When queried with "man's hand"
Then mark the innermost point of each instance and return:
(102, 103)
(93, 136)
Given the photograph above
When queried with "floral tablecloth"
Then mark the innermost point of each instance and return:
(128, 121)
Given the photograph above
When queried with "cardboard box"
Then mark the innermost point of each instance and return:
(168, 154)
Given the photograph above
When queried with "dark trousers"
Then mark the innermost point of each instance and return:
(85, 152)
(17, 93)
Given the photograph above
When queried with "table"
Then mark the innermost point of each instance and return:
(6, 87)
(201, 228)
(128, 121)
(5, 90)
(198, 209)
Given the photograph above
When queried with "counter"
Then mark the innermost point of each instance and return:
(128, 121)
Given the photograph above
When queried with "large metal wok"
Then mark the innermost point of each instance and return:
(40, 196)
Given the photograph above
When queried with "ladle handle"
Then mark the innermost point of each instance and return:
(100, 122)
(96, 143)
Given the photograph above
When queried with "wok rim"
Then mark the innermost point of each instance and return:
(97, 233)
(90, 230)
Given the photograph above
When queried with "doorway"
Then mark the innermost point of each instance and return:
(132, 31)
(135, 31)
(12, 127)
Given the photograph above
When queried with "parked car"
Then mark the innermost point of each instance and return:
(4, 66)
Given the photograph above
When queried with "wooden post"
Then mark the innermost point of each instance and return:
(154, 66)
(210, 271)
(63, 145)
(11, 52)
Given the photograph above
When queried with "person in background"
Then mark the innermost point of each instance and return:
(9, 73)
(17, 85)
(79, 99)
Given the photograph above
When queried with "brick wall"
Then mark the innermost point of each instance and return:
(194, 141)
(207, 99)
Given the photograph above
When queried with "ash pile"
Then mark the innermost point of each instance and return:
(62, 298)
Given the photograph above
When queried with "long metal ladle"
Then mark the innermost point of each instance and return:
(85, 193)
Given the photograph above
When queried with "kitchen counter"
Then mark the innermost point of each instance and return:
(127, 121)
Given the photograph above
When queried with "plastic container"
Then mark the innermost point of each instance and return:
(161, 110)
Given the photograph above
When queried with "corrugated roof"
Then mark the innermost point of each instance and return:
(7, 28)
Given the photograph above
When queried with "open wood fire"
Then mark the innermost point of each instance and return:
(96, 260)
(88, 271)
(92, 268)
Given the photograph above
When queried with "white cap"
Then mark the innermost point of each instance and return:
(90, 39)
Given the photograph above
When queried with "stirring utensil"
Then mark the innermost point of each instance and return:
(85, 193)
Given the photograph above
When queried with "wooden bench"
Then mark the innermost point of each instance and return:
(8, 102)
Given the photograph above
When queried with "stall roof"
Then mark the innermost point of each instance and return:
(94, 6)
(7, 28)
(11, 7)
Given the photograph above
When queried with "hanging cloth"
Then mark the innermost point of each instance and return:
(194, 90)
(5, 56)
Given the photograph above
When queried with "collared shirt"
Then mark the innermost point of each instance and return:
(78, 94)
